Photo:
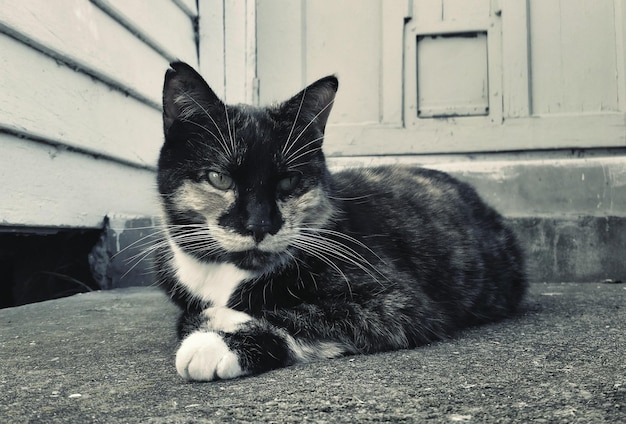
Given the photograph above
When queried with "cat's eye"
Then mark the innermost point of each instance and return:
(288, 184)
(220, 181)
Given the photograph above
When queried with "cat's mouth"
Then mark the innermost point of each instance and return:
(256, 259)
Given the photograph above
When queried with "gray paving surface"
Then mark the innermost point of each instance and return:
(108, 357)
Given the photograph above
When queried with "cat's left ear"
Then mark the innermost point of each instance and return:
(185, 93)
(314, 102)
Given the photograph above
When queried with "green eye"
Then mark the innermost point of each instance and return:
(289, 183)
(220, 181)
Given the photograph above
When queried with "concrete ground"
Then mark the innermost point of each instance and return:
(108, 357)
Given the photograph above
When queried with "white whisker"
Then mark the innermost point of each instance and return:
(344, 254)
(223, 139)
(286, 147)
(310, 250)
(230, 133)
(308, 125)
(292, 157)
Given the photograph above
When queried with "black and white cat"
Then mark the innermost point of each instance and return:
(275, 261)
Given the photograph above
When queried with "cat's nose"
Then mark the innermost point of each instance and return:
(260, 220)
(258, 232)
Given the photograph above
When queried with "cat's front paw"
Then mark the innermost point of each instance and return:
(204, 356)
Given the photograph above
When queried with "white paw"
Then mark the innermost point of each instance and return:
(205, 356)
(225, 319)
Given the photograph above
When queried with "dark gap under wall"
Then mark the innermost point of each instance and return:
(62, 262)
(37, 265)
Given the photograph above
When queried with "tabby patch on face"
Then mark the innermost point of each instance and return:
(312, 209)
(203, 198)
(212, 282)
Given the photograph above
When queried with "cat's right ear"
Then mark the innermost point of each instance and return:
(313, 104)
(185, 93)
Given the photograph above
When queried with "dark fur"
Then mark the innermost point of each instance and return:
(420, 255)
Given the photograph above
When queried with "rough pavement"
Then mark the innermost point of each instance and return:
(108, 357)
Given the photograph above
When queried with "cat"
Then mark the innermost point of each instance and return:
(276, 261)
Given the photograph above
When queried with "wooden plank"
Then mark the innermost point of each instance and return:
(620, 52)
(211, 39)
(166, 28)
(494, 53)
(354, 55)
(190, 7)
(281, 71)
(455, 10)
(83, 36)
(573, 63)
(44, 99)
(515, 54)
(410, 74)
(392, 58)
(465, 135)
(427, 11)
(252, 81)
(239, 61)
(46, 186)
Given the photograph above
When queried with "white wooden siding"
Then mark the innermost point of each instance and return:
(80, 83)
(348, 38)
(228, 55)
(573, 57)
(50, 186)
(52, 102)
(80, 105)
(556, 71)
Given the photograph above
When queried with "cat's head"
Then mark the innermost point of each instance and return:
(242, 183)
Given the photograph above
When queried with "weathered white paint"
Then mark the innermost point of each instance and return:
(79, 33)
(465, 135)
(48, 186)
(465, 90)
(392, 61)
(260, 51)
(353, 53)
(529, 187)
(515, 66)
(573, 51)
(190, 7)
(620, 52)
(300, 41)
(161, 23)
(436, 18)
(228, 48)
(211, 38)
(80, 101)
(44, 99)
(281, 72)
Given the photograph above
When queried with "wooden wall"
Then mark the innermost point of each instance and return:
(453, 76)
(80, 105)
(80, 84)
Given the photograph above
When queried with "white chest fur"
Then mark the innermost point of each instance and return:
(210, 281)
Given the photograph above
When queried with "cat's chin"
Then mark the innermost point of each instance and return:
(257, 260)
